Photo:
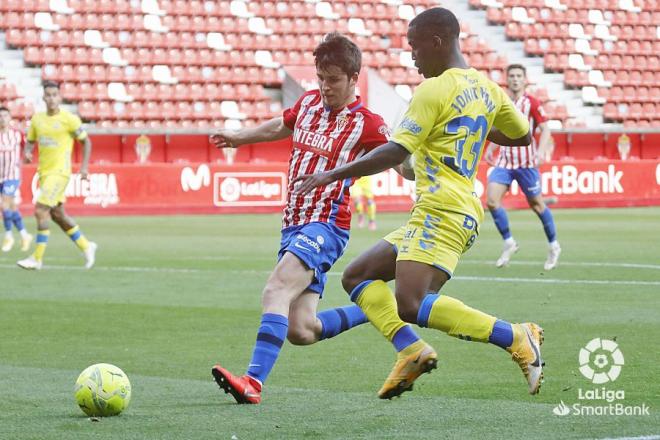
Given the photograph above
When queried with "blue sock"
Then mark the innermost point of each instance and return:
(18, 221)
(335, 321)
(548, 225)
(270, 337)
(502, 334)
(501, 222)
(7, 219)
(404, 337)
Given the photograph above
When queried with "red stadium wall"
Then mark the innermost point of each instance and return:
(242, 188)
(195, 148)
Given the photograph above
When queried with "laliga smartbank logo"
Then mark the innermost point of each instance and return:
(601, 361)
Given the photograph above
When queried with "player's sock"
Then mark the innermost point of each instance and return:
(18, 222)
(42, 242)
(371, 210)
(379, 305)
(7, 219)
(340, 319)
(501, 222)
(548, 225)
(451, 316)
(359, 206)
(78, 238)
(270, 337)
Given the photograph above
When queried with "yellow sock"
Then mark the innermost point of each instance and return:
(78, 238)
(371, 210)
(379, 305)
(456, 319)
(359, 206)
(42, 242)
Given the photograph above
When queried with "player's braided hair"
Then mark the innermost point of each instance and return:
(437, 21)
(337, 50)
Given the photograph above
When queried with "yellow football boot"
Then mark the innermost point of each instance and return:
(407, 369)
(526, 352)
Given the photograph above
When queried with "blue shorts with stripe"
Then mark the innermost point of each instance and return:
(318, 245)
(529, 179)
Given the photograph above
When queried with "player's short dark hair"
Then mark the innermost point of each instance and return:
(337, 50)
(511, 67)
(51, 84)
(437, 21)
(4, 109)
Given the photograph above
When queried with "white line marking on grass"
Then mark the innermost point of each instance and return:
(266, 272)
(644, 437)
(568, 263)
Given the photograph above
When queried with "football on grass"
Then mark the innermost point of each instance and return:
(103, 390)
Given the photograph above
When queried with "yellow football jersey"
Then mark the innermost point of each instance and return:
(55, 135)
(445, 128)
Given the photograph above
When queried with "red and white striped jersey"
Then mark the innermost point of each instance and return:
(11, 143)
(524, 157)
(324, 139)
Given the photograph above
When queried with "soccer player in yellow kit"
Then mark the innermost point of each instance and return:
(55, 131)
(363, 194)
(451, 115)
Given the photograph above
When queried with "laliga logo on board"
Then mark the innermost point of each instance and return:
(601, 361)
(249, 189)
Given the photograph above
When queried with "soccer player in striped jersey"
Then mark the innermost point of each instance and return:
(11, 143)
(520, 164)
(329, 127)
(54, 131)
(450, 116)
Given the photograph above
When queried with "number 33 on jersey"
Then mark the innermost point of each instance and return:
(445, 128)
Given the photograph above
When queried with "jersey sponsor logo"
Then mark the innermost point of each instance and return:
(194, 180)
(411, 126)
(249, 189)
(310, 139)
(384, 130)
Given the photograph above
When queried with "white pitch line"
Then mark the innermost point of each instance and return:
(644, 437)
(568, 263)
(265, 272)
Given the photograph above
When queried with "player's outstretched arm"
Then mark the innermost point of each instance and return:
(380, 159)
(499, 138)
(406, 168)
(268, 131)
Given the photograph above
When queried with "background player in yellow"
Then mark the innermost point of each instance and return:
(363, 196)
(451, 115)
(54, 131)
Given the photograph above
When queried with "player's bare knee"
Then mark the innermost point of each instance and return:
(492, 204)
(353, 275)
(301, 335)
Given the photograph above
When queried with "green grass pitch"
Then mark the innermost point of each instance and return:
(170, 296)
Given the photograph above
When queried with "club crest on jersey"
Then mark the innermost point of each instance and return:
(342, 120)
(311, 140)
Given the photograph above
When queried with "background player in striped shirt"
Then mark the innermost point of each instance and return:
(55, 130)
(329, 127)
(520, 164)
(11, 143)
(450, 116)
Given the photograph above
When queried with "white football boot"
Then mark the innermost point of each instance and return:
(7, 243)
(90, 255)
(30, 263)
(510, 248)
(553, 256)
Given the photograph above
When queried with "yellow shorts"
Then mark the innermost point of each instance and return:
(362, 188)
(437, 238)
(51, 189)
